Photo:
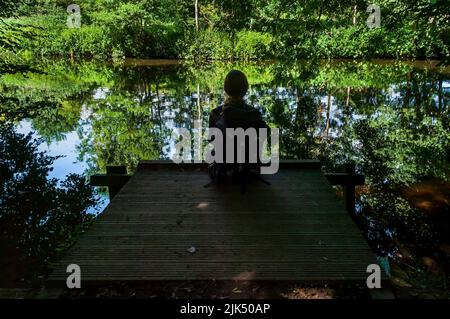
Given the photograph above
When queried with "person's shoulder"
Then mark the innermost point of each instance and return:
(252, 109)
(217, 110)
(215, 114)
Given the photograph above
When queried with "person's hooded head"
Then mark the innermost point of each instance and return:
(235, 85)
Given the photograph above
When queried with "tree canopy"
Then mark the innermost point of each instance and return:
(227, 29)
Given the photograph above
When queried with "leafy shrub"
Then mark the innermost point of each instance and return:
(215, 45)
(362, 42)
(209, 45)
(85, 41)
(251, 45)
(350, 42)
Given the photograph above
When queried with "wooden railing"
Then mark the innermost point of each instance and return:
(116, 176)
(114, 179)
(348, 181)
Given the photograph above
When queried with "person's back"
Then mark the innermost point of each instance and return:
(235, 113)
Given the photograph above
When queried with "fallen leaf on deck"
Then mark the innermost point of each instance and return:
(236, 291)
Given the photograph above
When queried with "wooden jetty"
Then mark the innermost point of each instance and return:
(163, 224)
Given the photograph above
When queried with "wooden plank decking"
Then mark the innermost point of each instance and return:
(294, 229)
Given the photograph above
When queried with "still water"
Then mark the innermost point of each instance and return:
(391, 119)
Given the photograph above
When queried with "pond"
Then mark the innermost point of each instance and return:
(390, 118)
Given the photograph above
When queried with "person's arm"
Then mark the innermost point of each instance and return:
(212, 119)
(213, 116)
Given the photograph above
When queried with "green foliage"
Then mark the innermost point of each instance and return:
(210, 45)
(394, 39)
(13, 33)
(351, 42)
(251, 45)
(85, 41)
(229, 29)
(403, 146)
(216, 45)
(48, 85)
(131, 138)
(137, 32)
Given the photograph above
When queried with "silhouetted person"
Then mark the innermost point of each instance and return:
(235, 113)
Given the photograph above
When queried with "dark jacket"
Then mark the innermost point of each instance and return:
(239, 115)
(235, 116)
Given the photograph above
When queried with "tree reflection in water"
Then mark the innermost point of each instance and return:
(39, 216)
(391, 119)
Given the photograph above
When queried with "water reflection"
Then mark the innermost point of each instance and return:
(39, 215)
(390, 118)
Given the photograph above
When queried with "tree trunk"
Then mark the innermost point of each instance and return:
(327, 125)
(347, 101)
(318, 20)
(196, 15)
(199, 107)
(200, 121)
(440, 96)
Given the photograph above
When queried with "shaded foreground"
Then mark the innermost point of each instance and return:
(164, 224)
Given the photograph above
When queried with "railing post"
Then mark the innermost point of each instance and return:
(112, 189)
(349, 190)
